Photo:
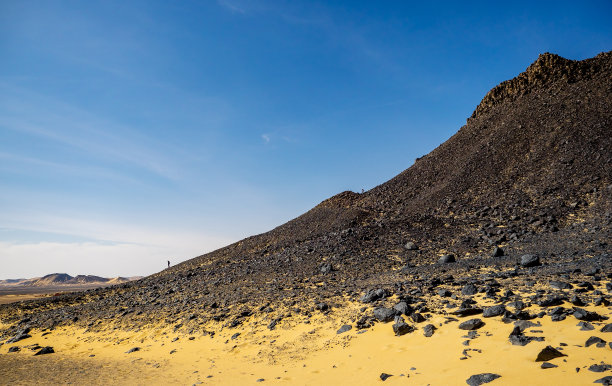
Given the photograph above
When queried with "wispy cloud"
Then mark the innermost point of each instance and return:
(52, 119)
(266, 138)
(233, 5)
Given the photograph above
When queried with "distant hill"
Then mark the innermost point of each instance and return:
(59, 279)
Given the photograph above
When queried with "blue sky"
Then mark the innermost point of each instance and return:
(140, 131)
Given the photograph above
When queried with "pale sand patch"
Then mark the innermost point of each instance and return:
(306, 354)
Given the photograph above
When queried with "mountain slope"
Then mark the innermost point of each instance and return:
(530, 171)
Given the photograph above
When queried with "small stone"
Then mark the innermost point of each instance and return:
(384, 314)
(45, 350)
(548, 353)
(14, 349)
(446, 259)
(472, 324)
(428, 330)
(594, 340)
(530, 261)
(607, 328)
(493, 311)
(133, 349)
(411, 246)
(605, 380)
(343, 329)
(401, 328)
(547, 365)
(600, 368)
(585, 326)
(384, 376)
(497, 252)
(469, 289)
(479, 379)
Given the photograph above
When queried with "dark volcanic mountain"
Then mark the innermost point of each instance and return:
(531, 171)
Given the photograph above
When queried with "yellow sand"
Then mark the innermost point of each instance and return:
(305, 354)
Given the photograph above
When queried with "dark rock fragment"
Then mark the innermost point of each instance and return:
(560, 285)
(384, 376)
(493, 311)
(530, 261)
(497, 252)
(607, 328)
(547, 365)
(403, 308)
(582, 314)
(479, 379)
(417, 318)
(411, 246)
(600, 368)
(472, 324)
(467, 311)
(45, 350)
(469, 289)
(133, 349)
(585, 326)
(594, 340)
(548, 353)
(428, 330)
(607, 381)
(400, 327)
(384, 314)
(445, 259)
(14, 349)
(343, 329)
(321, 306)
(373, 295)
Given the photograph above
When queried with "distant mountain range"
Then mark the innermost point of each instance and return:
(56, 279)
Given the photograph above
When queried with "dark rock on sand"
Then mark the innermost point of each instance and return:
(133, 349)
(493, 311)
(373, 295)
(585, 326)
(467, 311)
(428, 330)
(14, 349)
(600, 368)
(469, 289)
(400, 327)
(479, 379)
(594, 340)
(472, 324)
(547, 365)
(582, 314)
(607, 381)
(548, 353)
(384, 376)
(384, 314)
(343, 329)
(45, 350)
(607, 328)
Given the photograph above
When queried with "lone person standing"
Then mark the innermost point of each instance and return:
(168, 263)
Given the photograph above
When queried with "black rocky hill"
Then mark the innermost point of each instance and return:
(531, 171)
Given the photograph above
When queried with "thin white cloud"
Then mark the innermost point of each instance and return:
(266, 138)
(233, 6)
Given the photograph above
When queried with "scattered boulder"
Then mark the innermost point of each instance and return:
(133, 349)
(373, 295)
(548, 353)
(560, 285)
(343, 329)
(469, 311)
(594, 340)
(607, 328)
(14, 349)
(469, 289)
(321, 306)
(497, 252)
(494, 311)
(479, 379)
(585, 326)
(403, 308)
(607, 381)
(548, 365)
(411, 246)
(600, 368)
(530, 261)
(446, 259)
(384, 314)
(428, 330)
(582, 314)
(45, 350)
(401, 328)
(472, 324)
(384, 376)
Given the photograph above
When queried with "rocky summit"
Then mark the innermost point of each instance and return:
(516, 207)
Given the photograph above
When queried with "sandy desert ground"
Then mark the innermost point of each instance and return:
(308, 353)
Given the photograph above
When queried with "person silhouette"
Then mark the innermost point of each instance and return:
(168, 263)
